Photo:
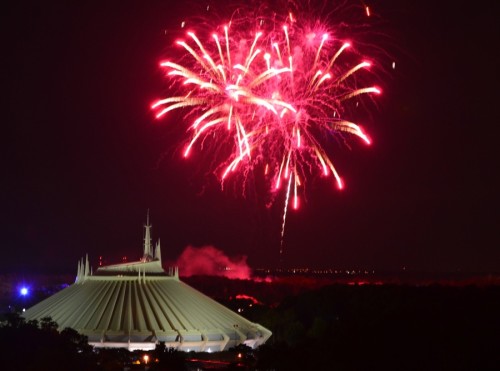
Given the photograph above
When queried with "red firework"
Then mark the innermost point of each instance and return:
(274, 94)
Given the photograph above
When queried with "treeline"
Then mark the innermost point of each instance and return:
(383, 327)
(38, 345)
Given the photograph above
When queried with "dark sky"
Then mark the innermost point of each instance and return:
(83, 158)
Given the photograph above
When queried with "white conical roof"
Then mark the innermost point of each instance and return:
(137, 311)
(135, 305)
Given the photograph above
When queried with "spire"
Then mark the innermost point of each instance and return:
(87, 265)
(158, 251)
(147, 239)
(78, 270)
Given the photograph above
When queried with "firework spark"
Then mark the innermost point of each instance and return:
(273, 95)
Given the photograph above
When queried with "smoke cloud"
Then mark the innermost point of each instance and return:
(210, 261)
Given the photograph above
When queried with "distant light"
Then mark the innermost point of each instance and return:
(24, 310)
(24, 291)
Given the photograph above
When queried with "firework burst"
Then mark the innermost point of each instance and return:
(273, 93)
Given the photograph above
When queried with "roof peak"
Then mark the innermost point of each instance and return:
(150, 262)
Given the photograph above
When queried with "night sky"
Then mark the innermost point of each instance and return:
(83, 157)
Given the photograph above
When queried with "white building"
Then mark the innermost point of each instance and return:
(136, 305)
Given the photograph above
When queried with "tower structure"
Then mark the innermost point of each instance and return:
(147, 255)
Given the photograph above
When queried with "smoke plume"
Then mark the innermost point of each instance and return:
(210, 261)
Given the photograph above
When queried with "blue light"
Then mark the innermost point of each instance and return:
(24, 291)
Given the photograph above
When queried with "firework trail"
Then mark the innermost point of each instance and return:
(268, 94)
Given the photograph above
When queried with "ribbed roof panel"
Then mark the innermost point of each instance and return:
(137, 311)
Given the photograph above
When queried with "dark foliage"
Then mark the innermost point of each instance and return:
(34, 345)
(385, 327)
(168, 359)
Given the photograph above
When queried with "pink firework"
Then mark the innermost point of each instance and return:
(272, 93)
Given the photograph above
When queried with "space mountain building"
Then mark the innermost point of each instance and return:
(138, 304)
